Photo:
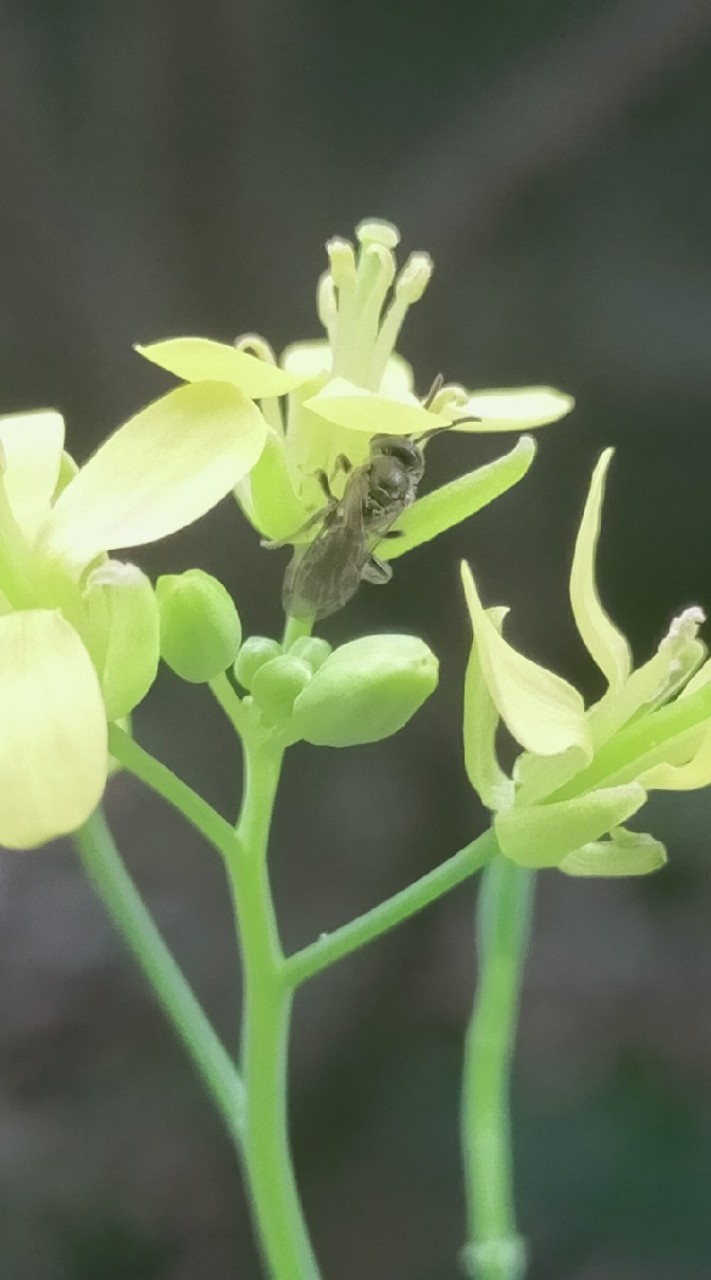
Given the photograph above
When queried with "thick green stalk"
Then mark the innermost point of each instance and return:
(265, 1028)
(494, 1250)
(107, 873)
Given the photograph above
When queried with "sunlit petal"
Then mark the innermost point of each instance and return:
(53, 753)
(202, 360)
(31, 447)
(346, 405)
(163, 469)
(519, 409)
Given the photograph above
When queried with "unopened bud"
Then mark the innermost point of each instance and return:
(200, 630)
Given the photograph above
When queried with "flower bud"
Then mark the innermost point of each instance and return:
(121, 634)
(200, 630)
(312, 650)
(366, 690)
(255, 651)
(278, 683)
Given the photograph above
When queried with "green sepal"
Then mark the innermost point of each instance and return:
(267, 495)
(365, 691)
(625, 853)
(456, 501)
(121, 632)
(542, 835)
(200, 630)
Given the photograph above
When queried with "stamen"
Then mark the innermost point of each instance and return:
(378, 231)
(327, 306)
(409, 287)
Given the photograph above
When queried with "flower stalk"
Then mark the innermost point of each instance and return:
(494, 1250)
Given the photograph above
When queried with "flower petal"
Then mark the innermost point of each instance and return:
(163, 469)
(202, 360)
(346, 405)
(313, 360)
(518, 409)
(31, 444)
(604, 642)
(454, 502)
(544, 713)
(53, 753)
(481, 721)
(626, 853)
(543, 835)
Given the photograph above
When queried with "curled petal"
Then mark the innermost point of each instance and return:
(312, 360)
(202, 360)
(604, 642)
(544, 713)
(520, 409)
(454, 502)
(543, 835)
(31, 450)
(53, 752)
(162, 470)
(344, 404)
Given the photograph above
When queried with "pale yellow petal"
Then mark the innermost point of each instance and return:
(518, 409)
(31, 447)
(202, 360)
(53, 737)
(603, 640)
(346, 405)
(543, 712)
(161, 471)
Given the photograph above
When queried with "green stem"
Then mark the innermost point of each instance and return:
(164, 782)
(494, 1251)
(334, 946)
(265, 1028)
(108, 874)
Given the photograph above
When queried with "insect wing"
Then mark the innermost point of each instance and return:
(327, 573)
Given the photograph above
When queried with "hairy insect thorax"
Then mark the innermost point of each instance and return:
(395, 470)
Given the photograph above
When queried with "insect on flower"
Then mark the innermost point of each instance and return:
(325, 574)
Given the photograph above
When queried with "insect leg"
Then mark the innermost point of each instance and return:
(376, 571)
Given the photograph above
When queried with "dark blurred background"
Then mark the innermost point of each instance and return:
(172, 167)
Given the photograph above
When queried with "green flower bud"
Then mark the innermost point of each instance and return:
(255, 651)
(200, 630)
(365, 691)
(278, 683)
(121, 633)
(312, 650)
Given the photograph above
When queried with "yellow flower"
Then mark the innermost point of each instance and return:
(584, 772)
(79, 631)
(343, 390)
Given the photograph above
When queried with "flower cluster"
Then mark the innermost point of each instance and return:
(583, 773)
(81, 633)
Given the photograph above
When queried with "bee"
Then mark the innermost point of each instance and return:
(323, 576)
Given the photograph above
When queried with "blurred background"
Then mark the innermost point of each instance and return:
(171, 168)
